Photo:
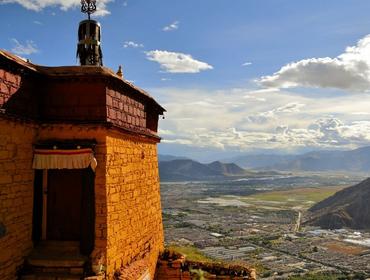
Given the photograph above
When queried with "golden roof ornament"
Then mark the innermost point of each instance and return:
(119, 72)
(89, 37)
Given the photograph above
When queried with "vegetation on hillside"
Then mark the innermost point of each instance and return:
(192, 253)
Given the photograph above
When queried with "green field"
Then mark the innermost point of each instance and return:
(297, 197)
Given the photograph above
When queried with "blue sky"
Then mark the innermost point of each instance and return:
(300, 88)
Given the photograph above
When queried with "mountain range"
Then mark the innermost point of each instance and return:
(349, 207)
(169, 157)
(357, 160)
(188, 170)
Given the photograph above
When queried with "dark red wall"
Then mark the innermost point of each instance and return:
(73, 100)
(76, 99)
(18, 93)
(9, 84)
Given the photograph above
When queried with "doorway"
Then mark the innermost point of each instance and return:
(64, 206)
(64, 202)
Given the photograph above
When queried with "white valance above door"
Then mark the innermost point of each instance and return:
(64, 159)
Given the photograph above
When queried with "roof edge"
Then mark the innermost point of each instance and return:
(76, 71)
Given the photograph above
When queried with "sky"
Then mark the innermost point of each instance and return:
(236, 77)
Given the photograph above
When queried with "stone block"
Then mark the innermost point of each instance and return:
(6, 178)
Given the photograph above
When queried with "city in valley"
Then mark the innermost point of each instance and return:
(260, 221)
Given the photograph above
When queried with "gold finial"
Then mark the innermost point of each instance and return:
(119, 72)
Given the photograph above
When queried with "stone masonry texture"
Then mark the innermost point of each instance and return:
(128, 223)
(45, 104)
(133, 205)
(16, 195)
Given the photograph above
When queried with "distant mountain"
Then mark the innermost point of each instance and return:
(260, 161)
(347, 208)
(187, 170)
(169, 157)
(357, 160)
(226, 168)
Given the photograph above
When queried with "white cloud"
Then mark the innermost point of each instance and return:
(131, 44)
(348, 71)
(39, 5)
(171, 27)
(361, 113)
(166, 132)
(225, 119)
(247, 63)
(254, 98)
(37, 22)
(293, 107)
(24, 49)
(174, 62)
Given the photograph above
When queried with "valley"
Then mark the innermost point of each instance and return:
(258, 221)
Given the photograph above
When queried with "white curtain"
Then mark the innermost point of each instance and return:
(64, 159)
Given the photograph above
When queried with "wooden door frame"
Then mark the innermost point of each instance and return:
(44, 204)
(39, 228)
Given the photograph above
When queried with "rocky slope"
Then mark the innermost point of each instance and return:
(347, 208)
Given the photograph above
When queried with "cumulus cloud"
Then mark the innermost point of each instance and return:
(29, 47)
(262, 117)
(348, 71)
(333, 131)
(132, 44)
(225, 119)
(322, 133)
(171, 27)
(174, 62)
(39, 5)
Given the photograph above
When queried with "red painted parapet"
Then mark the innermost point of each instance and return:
(75, 94)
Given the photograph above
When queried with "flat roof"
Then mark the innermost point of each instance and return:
(76, 71)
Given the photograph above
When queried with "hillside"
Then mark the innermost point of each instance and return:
(347, 208)
(226, 168)
(187, 170)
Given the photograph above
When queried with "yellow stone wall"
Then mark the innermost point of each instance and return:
(135, 230)
(128, 223)
(97, 133)
(16, 194)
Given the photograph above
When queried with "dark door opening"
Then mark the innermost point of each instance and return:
(64, 204)
(70, 206)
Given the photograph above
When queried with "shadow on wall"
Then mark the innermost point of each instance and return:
(20, 97)
(2, 230)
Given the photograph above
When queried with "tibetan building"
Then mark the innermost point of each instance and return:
(79, 186)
